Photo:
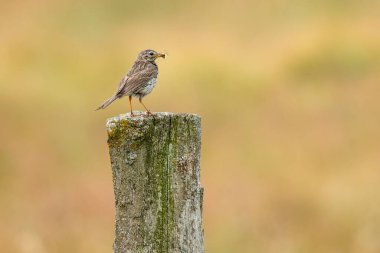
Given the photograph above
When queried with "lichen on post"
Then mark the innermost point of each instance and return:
(156, 177)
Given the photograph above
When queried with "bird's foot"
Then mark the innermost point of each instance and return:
(148, 113)
(132, 114)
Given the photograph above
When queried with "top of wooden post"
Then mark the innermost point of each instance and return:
(141, 118)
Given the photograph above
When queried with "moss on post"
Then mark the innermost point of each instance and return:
(156, 178)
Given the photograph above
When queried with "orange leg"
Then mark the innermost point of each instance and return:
(130, 104)
(147, 110)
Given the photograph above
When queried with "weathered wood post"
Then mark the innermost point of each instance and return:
(156, 178)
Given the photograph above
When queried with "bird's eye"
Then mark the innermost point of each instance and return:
(151, 53)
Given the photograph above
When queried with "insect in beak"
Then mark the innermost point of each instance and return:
(160, 55)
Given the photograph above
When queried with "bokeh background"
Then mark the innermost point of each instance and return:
(288, 92)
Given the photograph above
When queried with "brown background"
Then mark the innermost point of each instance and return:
(288, 92)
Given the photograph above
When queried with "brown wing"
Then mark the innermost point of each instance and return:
(137, 66)
(140, 74)
(121, 85)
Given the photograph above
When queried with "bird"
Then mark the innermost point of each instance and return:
(139, 81)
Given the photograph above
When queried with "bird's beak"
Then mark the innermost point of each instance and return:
(160, 55)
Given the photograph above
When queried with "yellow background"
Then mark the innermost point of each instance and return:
(288, 92)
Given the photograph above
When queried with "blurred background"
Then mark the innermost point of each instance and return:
(288, 92)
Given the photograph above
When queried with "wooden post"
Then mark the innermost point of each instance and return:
(156, 178)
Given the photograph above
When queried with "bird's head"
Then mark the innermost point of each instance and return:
(150, 55)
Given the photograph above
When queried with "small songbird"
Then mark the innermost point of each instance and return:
(139, 81)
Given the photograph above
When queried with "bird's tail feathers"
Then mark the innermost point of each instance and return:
(107, 103)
